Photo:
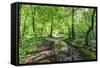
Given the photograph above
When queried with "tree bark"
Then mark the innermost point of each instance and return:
(90, 28)
(69, 31)
(33, 18)
(23, 29)
(51, 27)
(73, 31)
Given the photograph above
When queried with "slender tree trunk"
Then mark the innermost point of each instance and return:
(69, 31)
(73, 31)
(51, 27)
(33, 18)
(23, 29)
(90, 29)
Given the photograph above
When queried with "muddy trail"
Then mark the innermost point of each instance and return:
(54, 50)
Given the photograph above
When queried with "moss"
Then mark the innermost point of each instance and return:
(90, 55)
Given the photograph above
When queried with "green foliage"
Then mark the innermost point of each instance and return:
(90, 55)
(37, 23)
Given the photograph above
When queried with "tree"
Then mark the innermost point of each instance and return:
(90, 28)
(51, 30)
(69, 31)
(33, 17)
(23, 28)
(73, 31)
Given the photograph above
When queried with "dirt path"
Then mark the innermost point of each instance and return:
(52, 54)
(75, 54)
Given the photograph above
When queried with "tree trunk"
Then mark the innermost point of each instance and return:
(73, 31)
(23, 29)
(51, 27)
(33, 18)
(69, 31)
(90, 29)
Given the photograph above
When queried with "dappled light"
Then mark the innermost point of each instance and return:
(56, 34)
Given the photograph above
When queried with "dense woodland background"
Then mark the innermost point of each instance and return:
(56, 34)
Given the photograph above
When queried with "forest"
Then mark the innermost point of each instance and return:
(56, 34)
